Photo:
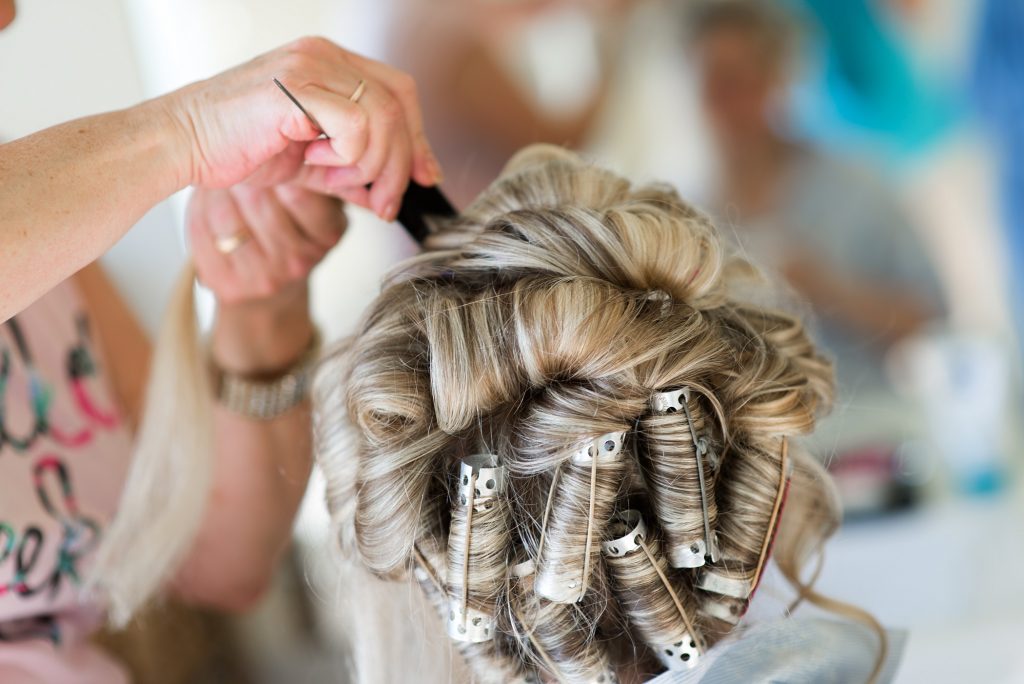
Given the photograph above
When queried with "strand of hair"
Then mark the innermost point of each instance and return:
(762, 559)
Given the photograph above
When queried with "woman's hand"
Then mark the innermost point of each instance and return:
(254, 246)
(238, 122)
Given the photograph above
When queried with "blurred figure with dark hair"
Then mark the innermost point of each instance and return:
(834, 231)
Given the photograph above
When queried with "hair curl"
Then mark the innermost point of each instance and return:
(544, 317)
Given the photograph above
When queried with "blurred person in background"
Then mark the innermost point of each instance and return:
(869, 89)
(472, 61)
(834, 231)
(74, 361)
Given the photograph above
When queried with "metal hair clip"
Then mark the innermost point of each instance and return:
(488, 483)
(474, 627)
(691, 555)
(524, 569)
(727, 609)
(632, 540)
(734, 587)
(606, 449)
(681, 655)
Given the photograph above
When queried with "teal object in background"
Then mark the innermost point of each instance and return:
(867, 85)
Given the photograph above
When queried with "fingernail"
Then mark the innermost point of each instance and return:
(389, 213)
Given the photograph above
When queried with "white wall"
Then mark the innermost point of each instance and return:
(61, 60)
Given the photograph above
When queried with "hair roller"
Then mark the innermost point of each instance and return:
(580, 502)
(656, 605)
(489, 661)
(753, 490)
(478, 541)
(558, 638)
(679, 467)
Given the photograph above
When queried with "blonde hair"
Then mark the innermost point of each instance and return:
(168, 483)
(538, 325)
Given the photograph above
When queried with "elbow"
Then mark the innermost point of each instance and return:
(233, 595)
(241, 599)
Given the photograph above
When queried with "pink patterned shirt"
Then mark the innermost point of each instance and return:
(64, 451)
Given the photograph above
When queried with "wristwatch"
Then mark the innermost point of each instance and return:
(264, 398)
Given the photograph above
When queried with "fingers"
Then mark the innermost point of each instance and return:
(319, 217)
(346, 124)
(387, 160)
(376, 140)
(210, 265)
(389, 185)
(330, 180)
(280, 168)
(425, 168)
(239, 275)
(287, 253)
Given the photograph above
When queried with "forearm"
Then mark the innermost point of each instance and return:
(879, 312)
(262, 467)
(69, 192)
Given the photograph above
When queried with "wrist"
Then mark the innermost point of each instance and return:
(172, 114)
(168, 135)
(265, 336)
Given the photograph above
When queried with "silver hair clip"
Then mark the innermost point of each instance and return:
(556, 589)
(681, 655)
(734, 587)
(606, 449)
(524, 569)
(551, 582)
(691, 555)
(488, 484)
(474, 627)
(726, 610)
(632, 540)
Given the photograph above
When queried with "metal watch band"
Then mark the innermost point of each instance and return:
(262, 399)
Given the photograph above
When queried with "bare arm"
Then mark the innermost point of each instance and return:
(880, 311)
(69, 192)
(262, 467)
(128, 350)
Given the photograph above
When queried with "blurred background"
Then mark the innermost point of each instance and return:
(869, 153)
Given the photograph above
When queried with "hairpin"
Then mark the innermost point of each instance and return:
(694, 554)
(685, 652)
(550, 583)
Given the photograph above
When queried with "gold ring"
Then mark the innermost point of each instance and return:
(360, 89)
(229, 243)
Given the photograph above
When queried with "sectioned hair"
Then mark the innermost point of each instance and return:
(543, 318)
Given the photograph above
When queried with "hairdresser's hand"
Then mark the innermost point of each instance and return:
(238, 123)
(279, 234)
